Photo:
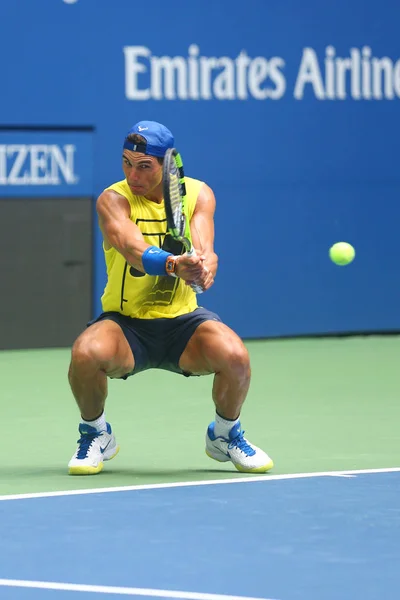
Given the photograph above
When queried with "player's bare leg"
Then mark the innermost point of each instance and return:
(215, 348)
(100, 352)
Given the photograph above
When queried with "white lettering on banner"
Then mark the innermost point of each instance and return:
(198, 77)
(37, 164)
(359, 76)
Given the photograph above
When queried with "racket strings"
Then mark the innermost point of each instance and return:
(176, 199)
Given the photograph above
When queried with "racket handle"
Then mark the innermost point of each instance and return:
(196, 288)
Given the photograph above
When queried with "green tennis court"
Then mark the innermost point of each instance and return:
(314, 404)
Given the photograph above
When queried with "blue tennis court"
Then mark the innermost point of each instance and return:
(317, 536)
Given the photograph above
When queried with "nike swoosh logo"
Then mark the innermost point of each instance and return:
(102, 450)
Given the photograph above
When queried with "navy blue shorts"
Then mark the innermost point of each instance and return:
(158, 343)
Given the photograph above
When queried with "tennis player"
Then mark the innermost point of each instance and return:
(150, 317)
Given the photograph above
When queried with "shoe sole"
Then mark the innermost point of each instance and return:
(88, 470)
(262, 469)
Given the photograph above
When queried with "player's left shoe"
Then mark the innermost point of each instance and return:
(246, 457)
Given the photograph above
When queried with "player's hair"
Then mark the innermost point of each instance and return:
(136, 138)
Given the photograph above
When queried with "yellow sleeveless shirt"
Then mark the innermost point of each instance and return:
(142, 296)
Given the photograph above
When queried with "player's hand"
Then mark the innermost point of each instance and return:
(205, 280)
(190, 268)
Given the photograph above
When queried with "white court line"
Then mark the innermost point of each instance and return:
(341, 475)
(157, 486)
(123, 591)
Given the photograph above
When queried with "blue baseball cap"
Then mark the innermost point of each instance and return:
(158, 138)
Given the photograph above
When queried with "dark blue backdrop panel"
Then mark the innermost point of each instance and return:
(289, 112)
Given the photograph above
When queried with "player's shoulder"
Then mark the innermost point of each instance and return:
(192, 180)
(121, 187)
(115, 194)
(199, 189)
(118, 191)
(194, 186)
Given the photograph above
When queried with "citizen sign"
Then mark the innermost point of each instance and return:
(37, 164)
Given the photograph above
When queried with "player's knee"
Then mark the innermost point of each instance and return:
(237, 359)
(94, 351)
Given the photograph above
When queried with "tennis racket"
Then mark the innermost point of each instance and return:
(174, 190)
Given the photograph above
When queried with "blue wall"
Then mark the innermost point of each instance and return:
(298, 154)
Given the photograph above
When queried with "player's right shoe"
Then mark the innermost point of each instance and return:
(94, 447)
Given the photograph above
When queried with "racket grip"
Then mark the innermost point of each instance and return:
(196, 288)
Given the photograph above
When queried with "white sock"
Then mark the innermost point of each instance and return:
(223, 426)
(99, 424)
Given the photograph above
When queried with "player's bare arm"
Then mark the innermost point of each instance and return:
(118, 230)
(121, 233)
(202, 230)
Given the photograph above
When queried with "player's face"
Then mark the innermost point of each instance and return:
(143, 173)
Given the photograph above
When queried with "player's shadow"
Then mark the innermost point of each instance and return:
(127, 476)
(22, 472)
(156, 473)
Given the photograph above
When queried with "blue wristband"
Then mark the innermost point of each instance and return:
(154, 260)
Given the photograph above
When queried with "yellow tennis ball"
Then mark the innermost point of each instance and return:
(342, 253)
